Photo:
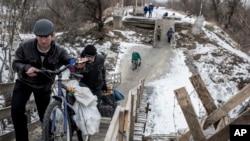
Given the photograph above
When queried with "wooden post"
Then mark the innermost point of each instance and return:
(189, 113)
(206, 98)
(126, 121)
(132, 118)
(137, 103)
(203, 93)
(227, 106)
(223, 134)
(121, 125)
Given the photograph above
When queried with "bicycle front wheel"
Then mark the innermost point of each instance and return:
(53, 123)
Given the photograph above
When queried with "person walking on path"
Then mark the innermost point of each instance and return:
(150, 10)
(32, 55)
(145, 10)
(158, 33)
(170, 34)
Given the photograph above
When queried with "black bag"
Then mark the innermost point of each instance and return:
(107, 105)
(106, 110)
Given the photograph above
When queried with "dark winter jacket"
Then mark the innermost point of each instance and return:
(145, 9)
(94, 75)
(27, 55)
(170, 33)
(150, 8)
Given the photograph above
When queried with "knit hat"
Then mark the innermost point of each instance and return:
(89, 50)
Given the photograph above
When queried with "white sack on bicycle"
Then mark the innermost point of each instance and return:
(87, 119)
(83, 94)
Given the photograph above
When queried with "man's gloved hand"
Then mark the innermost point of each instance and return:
(104, 87)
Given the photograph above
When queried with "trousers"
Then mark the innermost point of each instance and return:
(20, 96)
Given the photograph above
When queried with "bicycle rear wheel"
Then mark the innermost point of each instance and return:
(53, 124)
(134, 64)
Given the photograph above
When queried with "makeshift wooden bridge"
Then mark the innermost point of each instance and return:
(216, 116)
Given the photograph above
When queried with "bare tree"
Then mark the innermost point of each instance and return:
(94, 11)
(12, 21)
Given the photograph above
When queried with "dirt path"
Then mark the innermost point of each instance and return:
(155, 63)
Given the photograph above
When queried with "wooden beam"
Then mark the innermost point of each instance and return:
(132, 117)
(113, 127)
(184, 137)
(223, 134)
(189, 113)
(11, 135)
(227, 106)
(121, 125)
(6, 113)
(203, 93)
(206, 98)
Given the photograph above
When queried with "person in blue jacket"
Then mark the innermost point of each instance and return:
(170, 34)
(150, 10)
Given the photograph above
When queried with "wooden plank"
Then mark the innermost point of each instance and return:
(203, 93)
(227, 106)
(139, 124)
(137, 138)
(206, 98)
(113, 127)
(132, 118)
(223, 134)
(121, 124)
(6, 113)
(185, 137)
(6, 91)
(126, 121)
(11, 135)
(189, 113)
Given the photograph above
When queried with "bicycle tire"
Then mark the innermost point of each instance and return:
(58, 134)
(134, 65)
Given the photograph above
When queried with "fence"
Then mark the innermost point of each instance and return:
(5, 114)
(216, 117)
(120, 129)
(122, 125)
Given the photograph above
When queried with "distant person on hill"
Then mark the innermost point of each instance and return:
(150, 10)
(170, 34)
(158, 33)
(145, 10)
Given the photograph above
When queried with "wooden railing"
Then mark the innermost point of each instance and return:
(122, 124)
(216, 116)
(120, 129)
(5, 113)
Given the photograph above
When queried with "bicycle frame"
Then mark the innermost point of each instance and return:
(61, 97)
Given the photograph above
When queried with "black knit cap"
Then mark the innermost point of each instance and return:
(89, 50)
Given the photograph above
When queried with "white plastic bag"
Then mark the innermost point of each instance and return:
(87, 116)
(87, 119)
(82, 94)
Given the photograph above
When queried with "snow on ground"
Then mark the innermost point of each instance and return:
(165, 115)
(217, 72)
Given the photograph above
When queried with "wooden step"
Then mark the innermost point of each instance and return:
(139, 124)
(137, 138)
(142, 120)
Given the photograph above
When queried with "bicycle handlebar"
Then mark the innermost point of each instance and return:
(56, 72)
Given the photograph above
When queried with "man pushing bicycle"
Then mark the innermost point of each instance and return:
(136, 60)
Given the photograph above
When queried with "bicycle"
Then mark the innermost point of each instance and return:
(58, 123)
(135, 64)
